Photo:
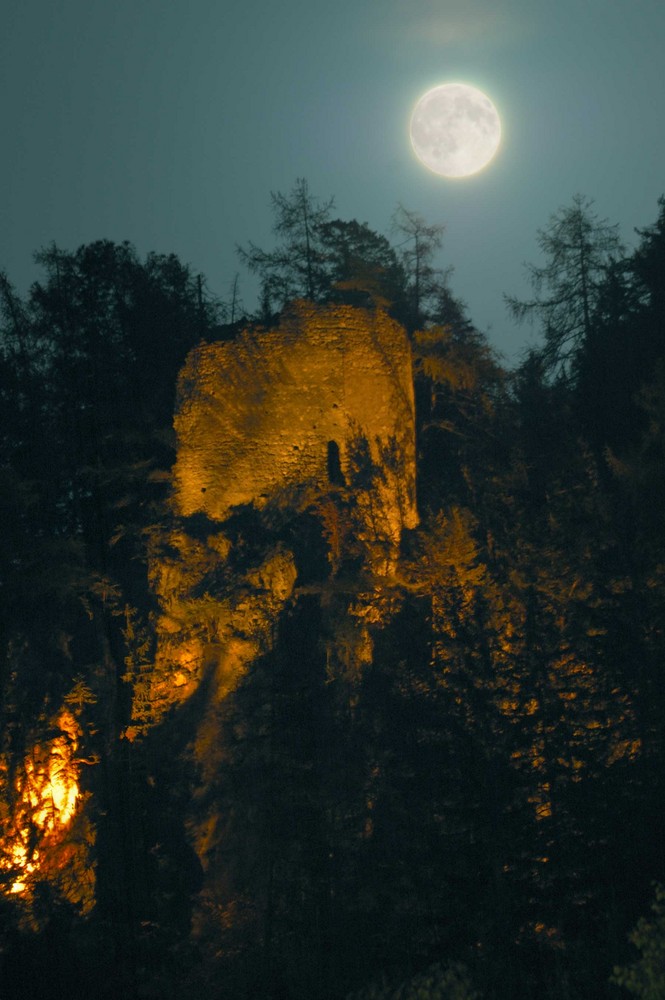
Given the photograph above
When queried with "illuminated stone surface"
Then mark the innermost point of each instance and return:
(276, 418)
(267, 414)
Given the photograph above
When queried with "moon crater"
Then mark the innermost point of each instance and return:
(455, 130)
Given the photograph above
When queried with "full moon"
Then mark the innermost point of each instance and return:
(455, 130)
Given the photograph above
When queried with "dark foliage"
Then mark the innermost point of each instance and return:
(474, 809)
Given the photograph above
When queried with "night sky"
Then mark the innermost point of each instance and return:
(169, 123)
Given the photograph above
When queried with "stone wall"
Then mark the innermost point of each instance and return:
(276, 417)
(273, 413)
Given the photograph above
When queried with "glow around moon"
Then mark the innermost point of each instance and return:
(455, 130)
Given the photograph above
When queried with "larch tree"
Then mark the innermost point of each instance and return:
(418, 243)
(578, 249)
(295, 268)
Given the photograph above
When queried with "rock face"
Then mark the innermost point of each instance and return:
(276, 413)
(278, 576)
(312, 422)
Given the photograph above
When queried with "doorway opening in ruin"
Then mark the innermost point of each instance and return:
(335, 474)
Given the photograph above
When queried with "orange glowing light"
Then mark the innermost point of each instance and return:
(47, 792)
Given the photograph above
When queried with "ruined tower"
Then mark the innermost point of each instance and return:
(316, 412)
(275, 413)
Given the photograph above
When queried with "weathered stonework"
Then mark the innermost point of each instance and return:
(271, 414)
(315, 415)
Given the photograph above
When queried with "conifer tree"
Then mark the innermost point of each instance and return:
(578, 248)
(296, 268)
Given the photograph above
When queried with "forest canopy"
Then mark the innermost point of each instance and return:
(469, 802)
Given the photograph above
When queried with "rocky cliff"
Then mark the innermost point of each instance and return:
(275, 413)
(295, 458)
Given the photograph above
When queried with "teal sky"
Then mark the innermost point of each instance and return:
(168, 123)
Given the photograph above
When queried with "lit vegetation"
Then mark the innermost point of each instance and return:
(249, 754)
